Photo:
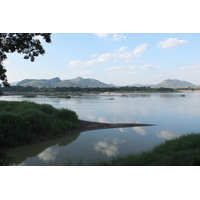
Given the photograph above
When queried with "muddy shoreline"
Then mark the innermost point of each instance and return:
(88, 125)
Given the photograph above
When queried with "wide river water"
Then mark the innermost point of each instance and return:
(173, 114)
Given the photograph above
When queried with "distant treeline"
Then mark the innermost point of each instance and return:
(86, 89)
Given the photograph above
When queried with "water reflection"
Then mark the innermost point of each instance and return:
(46, 150)
(48, 154)
(109, 147)
(173, 115)
(167, 135)
(140, 130)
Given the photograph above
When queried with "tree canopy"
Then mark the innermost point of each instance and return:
(25, 43)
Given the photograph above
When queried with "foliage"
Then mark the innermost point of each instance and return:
(86, 89)
(5, 159)
(24, 122)
(26, 43)
(30, 95)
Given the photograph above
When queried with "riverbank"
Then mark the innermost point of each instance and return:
(27, 122)
(88, 125)
(83, 126)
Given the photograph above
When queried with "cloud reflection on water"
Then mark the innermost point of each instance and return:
(140, 130)
(109, 147)
(48, 154)
(168, 135)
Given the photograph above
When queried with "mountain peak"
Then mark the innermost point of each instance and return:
(174, 83)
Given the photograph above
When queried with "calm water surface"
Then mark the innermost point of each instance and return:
(173, 115)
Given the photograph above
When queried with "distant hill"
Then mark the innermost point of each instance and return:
(56, 82)
(174, 83)
(88, 82)
(40, 82)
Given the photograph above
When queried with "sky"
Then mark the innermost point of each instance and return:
(117, 58)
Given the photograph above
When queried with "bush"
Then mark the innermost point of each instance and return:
(22, 122)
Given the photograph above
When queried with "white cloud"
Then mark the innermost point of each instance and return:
(190, 67)
(121, 67)
(122, 49)
(116, 37)
(112, 36)
(120, 54)
(105, 57)
(125, 56)
(146, 66)
(139, 49)
(132, 67)
(171, 43)
(116, 68)
(101, 35)
(81, 64)
(90, 62)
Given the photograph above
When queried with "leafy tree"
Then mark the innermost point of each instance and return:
(26, 43)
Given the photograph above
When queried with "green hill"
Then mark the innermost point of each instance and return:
(56, 82)
(88, 82)
(174, 83)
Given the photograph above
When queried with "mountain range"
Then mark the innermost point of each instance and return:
(56, 82)
(88, 82)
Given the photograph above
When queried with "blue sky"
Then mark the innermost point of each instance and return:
(118, 58)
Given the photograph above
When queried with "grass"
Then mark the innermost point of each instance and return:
(182, 151)
(24, 122)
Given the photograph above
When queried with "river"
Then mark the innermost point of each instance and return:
(173, 114)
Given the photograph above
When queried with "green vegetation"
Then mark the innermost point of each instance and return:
(182, 151)
(24, 122)
(22, 89)
(64, 96)
(5, 159)
(30, 95)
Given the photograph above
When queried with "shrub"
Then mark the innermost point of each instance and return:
(22, 122)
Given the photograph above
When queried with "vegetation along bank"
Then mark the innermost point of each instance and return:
(24, 122)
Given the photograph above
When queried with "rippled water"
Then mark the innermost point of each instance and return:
(172, 113)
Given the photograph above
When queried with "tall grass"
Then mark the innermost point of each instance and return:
(23, 122)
